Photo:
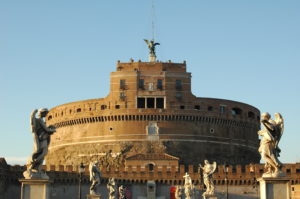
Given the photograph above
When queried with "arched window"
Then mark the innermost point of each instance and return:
(251, 115)
(151, 167)
(236, 111)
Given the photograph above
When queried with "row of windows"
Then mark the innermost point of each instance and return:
(157, 118)
(159, 84)
(222, 109)
(159, 103)
(150, 102)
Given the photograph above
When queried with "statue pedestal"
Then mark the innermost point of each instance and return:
(35, 188)
(210, 197)
(89, 196)
(275, 188)
(152, 58)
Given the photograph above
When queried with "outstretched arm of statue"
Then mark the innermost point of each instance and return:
(47, 129)
(268, 125)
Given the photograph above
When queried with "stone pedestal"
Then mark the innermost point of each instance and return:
(152, 58)
(35, 188)
(275, 188)
(93, 196)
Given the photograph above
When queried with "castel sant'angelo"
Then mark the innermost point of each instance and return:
(149, 114)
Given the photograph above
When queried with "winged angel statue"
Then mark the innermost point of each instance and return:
(151, 45)
(269, 150)
(41, 136)
(208, 170)
(95, 175)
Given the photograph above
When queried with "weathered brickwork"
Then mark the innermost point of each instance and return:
(191, 128)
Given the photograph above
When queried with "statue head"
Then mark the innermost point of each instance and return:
(265, 116)
(206, 162)
(43, 112)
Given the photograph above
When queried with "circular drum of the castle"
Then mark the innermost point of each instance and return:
(190, 135)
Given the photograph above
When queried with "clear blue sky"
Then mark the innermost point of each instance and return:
(53, 52)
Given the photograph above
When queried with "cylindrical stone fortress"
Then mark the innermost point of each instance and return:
(151, 102)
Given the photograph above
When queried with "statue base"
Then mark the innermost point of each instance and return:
(35, 188)
(152, 58)
(274, 188)
(93, 196)
(205, 196)
(29, 174)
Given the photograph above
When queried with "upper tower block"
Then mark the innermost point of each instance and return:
(152, 66)
(154, 85)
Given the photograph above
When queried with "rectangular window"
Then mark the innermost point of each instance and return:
(122, 83)
(160, 84)
(150, 102)
(178, 84)
(222, 109)
(141, 84)
(160, 102)
(141, 102)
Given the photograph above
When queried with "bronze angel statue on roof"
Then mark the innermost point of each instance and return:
(151, 45)
(269, 149)
(208, 170)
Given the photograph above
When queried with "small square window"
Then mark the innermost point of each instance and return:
(210, 108)
(117, 106)
(197, 107)
(182, 107)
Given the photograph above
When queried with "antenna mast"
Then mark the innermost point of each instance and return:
(153, 18)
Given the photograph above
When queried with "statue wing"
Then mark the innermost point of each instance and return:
(279, 126)
(147, 42)
(91, 171)
(155, 44)
(214, 167)
(33, 120)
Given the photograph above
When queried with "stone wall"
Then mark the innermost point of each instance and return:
(241, 180)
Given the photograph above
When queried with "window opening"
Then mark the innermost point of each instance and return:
(141, 102)
(117, 106)
(160, 102)
(210, 108)
(160, 84)
(141, 84)
(182, 107)
(222, 109)
(197, 107)
(150, 102)
(251, 115)
(178, 84)
(236, 111)
(122, 83)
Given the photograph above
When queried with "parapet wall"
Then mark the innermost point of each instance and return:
(237, 175)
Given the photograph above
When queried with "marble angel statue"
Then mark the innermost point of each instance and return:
(208, 170)
(112, 188)
(188, 186)
(269, 149)
(41, 139)
(95, 175)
